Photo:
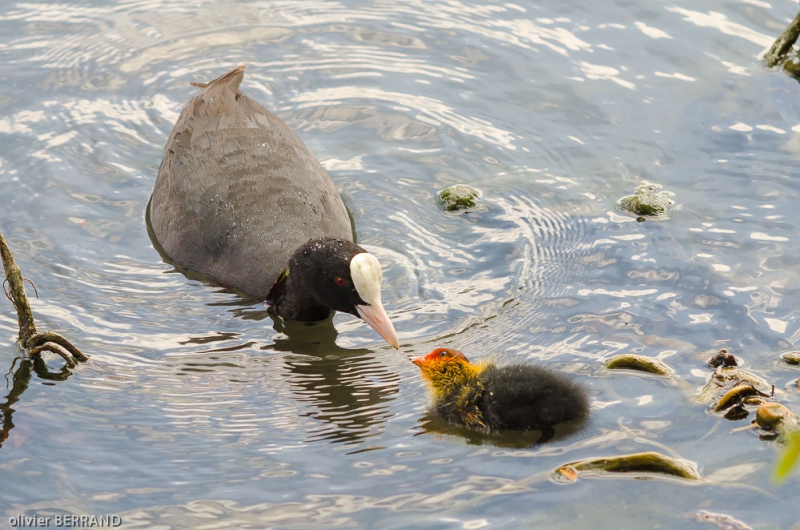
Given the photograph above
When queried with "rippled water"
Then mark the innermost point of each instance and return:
(194, 411)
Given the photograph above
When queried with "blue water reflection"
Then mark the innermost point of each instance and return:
(197, 409)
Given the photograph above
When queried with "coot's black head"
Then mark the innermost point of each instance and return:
(337, 275)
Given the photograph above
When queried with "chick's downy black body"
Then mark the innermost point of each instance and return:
(517, 397)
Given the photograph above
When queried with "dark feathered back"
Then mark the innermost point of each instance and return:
(238, 191)
(526, 397)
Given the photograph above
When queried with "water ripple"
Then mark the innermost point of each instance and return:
(554, 111)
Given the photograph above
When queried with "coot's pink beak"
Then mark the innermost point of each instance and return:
(376, 317)
(418, 361)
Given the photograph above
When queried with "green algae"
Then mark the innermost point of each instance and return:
(459, 197)
(648, 200)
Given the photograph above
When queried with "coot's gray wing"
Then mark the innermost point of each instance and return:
(238, 191)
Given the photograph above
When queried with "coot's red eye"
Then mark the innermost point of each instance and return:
(444, 353)
(341, 282)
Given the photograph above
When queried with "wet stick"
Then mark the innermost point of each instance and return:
(784, 43)
(33, 343)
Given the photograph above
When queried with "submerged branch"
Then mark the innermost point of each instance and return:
(33, 343)
(637, 464)
(21, 377)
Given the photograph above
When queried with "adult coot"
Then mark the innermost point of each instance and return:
(491, 398)
(241, 199)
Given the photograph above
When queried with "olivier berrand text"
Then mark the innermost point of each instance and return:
(65, 521)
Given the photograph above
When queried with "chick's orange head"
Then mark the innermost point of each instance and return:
(440, 355)
(445, 370)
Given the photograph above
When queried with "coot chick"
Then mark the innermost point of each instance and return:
(491, 398)
(240, 199)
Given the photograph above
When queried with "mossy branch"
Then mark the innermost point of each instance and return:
(783, 44)
(33, 343)
(17, 294)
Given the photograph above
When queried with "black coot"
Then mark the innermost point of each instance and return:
(241, 199)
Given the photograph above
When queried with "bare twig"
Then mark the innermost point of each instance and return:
(35, 290)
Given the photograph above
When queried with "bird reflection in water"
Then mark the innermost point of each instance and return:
(348, 391)
(349, 388)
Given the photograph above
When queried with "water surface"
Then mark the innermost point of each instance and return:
(196, 411)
